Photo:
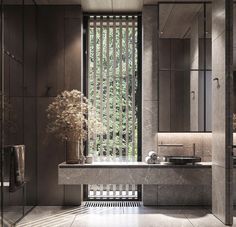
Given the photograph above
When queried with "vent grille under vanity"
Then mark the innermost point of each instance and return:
(112, 192)
(112, 204)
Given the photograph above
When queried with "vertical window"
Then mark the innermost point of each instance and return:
(112, 85)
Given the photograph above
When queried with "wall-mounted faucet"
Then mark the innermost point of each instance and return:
(170, 145)
(194, 149)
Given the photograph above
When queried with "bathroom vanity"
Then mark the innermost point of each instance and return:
(135, 173)
(163, 184)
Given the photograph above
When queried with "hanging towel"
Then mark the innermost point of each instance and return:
(17, 167)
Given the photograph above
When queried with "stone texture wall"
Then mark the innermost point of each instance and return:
(222, 168)
(149, 79)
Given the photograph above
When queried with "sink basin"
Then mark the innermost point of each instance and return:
(182, 160)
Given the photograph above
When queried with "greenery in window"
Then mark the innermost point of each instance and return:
(112, 87)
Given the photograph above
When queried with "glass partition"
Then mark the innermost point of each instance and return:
(13, 106)
(18, 133)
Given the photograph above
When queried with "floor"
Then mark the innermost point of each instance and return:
(45, 216)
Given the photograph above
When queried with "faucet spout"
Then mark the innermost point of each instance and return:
(194, 149)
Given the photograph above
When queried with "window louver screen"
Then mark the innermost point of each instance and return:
(112, 87)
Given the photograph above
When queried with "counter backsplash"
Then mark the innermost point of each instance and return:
(202, 143)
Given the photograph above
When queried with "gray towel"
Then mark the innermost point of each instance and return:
(17, 166)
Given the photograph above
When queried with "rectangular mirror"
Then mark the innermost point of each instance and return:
(184, 70)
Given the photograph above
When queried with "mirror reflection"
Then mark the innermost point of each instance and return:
(184, 67)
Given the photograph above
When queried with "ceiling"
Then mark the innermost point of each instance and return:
(106, 5)
(176, 20)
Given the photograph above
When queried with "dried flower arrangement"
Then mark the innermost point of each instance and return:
(68, 117)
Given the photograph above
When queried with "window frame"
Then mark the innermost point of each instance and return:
(139, 89)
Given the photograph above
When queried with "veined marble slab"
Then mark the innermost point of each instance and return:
(134, 173)
(133, 164)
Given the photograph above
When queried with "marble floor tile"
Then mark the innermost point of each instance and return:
(130, 220)
(153, 210)
(202, 218)
(50, 216)
(120, 217)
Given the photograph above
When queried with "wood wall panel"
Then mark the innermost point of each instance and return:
(180, 54)
(30, 57)
(6, 75)
(50, 154)
(16, 137)
(16, 78)
(30, 141)
(174, 85)
(13, 78)
(165, 100)
(59, 67)
(51, 38)
(23, 110)
(72, 11)
(208, 54)
(73, 53)
(164, 54)
(179, 113)
(13, 33)
(56, 66)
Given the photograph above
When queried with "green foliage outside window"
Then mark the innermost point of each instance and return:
(112, 67)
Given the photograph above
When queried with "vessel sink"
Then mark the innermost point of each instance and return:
(182, 160)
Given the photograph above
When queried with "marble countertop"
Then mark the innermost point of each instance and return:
(134, 165)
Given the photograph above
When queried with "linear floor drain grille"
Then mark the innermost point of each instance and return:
(112, 204)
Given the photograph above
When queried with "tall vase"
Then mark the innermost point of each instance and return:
(74, 153)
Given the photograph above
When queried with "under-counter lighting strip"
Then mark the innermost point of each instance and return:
(186, 133)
